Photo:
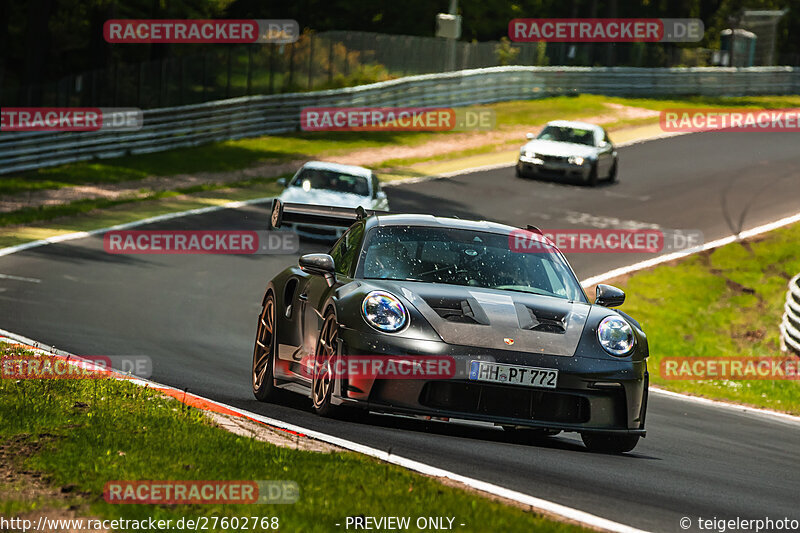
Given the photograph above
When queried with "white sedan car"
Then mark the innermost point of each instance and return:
(569, 150)
(321, 183)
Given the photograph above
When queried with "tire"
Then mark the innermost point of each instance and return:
(264, 354)
(612, 174)
(323, 380)
(609, 442)
(592, 179)
(517, 172)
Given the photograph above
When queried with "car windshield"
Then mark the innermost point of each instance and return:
(567, 135)
(462, 257)
(330, 180)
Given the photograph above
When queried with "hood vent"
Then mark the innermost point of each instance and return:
(540, 320)
(464, 311)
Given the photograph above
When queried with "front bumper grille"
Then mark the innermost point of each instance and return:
(503, 401)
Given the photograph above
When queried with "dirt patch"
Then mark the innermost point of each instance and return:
(19, 484)
(140, 188)
(248, 428)
(477, 139)
(457, 142)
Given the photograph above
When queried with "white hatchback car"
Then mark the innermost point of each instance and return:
(569, 150)
(322, 183)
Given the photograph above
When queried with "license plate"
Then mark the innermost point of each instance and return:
(513, 374)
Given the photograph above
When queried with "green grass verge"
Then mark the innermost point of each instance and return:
(80, 207)
(89, 216)
(84, 433)
(726, 302)
(235, 155)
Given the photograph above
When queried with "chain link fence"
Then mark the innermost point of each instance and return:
(319, 61)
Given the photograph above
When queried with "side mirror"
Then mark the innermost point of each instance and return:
(282, 182)
(609, 296)
(530, 136)
(318, 265)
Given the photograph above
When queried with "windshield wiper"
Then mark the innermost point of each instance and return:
(532, 290)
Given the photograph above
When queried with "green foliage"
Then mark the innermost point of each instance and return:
(505, 52)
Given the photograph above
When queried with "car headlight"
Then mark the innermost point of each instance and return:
(384, 312)
(615, 336)
(575, 160)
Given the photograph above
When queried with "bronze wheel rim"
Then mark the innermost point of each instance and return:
(323, 362)
(264, 341)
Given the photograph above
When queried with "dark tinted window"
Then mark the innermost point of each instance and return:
(312, 178)
(462, 257)
(567, 135)
(345, 251)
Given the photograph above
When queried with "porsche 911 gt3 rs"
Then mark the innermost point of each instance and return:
(528, 348)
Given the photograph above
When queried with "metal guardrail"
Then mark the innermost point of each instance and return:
(192, 125)
(790, 326)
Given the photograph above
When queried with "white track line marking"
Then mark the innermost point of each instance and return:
(158, 218)
(532, 501)
(735, 407)
(19, 278)
(588, 282)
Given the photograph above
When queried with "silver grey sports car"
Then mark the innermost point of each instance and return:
(571, 151)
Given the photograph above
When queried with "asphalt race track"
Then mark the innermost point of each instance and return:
(195, 315)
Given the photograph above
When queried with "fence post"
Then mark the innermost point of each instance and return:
(162, 82)
(249, 68)
(204, 76)
(116, 85)
(271, 68)
(139, 82)
(181, 82)
(291, 65)
(330, 61)
(310, 61)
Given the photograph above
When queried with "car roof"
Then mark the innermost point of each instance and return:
(574, 124)
(337, 167)
(440, 222)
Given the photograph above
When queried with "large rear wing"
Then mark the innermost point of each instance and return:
(322, 215)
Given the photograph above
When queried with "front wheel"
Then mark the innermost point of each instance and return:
(323, 378)
(612, 174)
(264, 353)
(591, 181)
(609, 442)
